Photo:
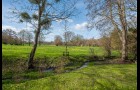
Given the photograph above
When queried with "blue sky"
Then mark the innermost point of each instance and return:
(76, 24)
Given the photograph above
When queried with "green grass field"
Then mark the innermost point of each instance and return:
(11, 52)
(93, 77)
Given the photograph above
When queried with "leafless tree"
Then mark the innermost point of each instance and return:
(40, 14)
(77, 40)
(22, 35)
(58, 40)
(69, 35)
(66, 37)
(109, 15)
(10, 37)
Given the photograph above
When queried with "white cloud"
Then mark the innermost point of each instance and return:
(29, 28)
(69, 20)
(81, 26)
(9, 27)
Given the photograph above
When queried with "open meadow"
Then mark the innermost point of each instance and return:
(94, 76)
(12, 52)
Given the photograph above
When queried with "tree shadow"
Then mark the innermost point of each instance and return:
(102, 86)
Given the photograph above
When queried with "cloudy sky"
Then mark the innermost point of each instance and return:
(76, 24)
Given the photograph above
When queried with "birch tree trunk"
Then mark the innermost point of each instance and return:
(121, 10)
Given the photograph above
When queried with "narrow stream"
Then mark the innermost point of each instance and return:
(83, 66)
(48, 70)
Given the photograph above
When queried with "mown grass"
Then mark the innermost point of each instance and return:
(93, 77)
(12, 52)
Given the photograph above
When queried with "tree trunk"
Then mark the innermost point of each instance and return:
(121, 9)
(124, 46)
(31, 57)
(122, 17)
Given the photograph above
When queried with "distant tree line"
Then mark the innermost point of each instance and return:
(11, 37)
(20, 38)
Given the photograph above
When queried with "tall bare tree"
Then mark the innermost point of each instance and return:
(69, 35)
(111, 14)
(40, 14)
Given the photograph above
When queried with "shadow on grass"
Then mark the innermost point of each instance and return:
(101, 84)
(16, 72)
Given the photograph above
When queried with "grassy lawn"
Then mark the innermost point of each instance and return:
(11, 52)
(92, 77)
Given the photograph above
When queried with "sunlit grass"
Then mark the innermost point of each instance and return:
(10, 52)
(93, 77)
